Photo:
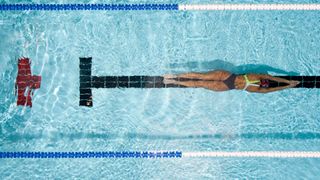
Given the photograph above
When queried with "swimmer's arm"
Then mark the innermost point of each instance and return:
(277, 79)
(273, 89)
(267, 90)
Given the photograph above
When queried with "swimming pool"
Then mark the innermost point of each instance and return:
(188, 120)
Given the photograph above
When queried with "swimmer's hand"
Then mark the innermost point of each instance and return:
(294, 83)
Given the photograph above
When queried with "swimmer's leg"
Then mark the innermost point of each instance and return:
(212, 85)
(217, 75)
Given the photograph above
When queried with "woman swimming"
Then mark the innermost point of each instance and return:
(220, 80)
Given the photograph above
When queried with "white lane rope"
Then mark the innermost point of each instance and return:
(256, 154)
(252, 7)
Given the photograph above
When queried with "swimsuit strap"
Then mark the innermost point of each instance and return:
(250, 83)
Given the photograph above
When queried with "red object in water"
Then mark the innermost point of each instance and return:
(26, 83)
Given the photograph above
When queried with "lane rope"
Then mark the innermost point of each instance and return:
(107, 154)
(155, 7)
(256, 154)
(249, 7)
(162, 154)
(88, 7)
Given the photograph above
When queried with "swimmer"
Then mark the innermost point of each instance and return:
(220, 80)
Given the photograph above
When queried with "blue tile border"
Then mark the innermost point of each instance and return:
(87, 7)
(88, 154)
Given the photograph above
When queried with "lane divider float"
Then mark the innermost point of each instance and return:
(156, 7)
(162, 154)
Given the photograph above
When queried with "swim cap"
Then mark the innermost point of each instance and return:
(264, 83)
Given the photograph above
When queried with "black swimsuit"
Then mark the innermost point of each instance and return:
(230, 81)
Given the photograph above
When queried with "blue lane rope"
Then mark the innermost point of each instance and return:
(89, 7)
(152, 7)
(109, 154)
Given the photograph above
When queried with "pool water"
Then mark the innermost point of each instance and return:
(156, 43)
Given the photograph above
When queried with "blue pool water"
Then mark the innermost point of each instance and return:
(155, 43)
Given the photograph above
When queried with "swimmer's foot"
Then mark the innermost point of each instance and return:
(169, 76)
(169, 81)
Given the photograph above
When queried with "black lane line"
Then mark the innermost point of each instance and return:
(87, 82)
